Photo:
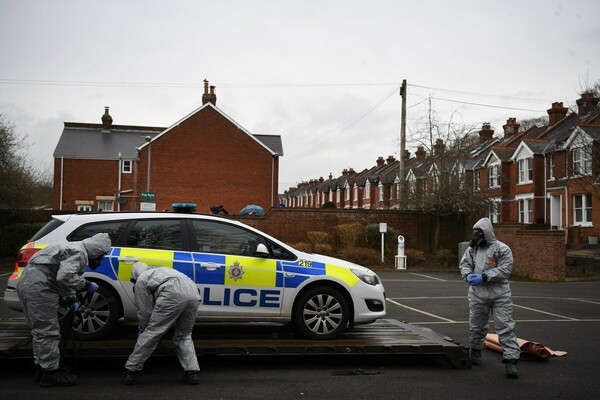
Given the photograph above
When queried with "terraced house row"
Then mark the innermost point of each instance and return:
(541, 175)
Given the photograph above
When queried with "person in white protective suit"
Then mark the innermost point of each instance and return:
(164, 298)
(486, 266)
(52, 278)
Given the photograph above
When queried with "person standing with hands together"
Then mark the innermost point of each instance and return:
(486, 267)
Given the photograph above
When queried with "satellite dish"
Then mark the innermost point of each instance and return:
(122, 200)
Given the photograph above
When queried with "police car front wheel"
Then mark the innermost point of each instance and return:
(321, 313)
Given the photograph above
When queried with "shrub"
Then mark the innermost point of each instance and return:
(362, 256)
(318, 237)
(348, 234)
(324, 249)
(414, 256)
(14, 236)
(374, 238)
(445, 257)
(303, 246)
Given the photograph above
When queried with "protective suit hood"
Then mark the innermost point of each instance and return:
(97, 245)
(138, 269)
(488, 230)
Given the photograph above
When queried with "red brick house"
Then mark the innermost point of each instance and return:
(205, 158)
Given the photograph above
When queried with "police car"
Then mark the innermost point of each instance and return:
(242, 273)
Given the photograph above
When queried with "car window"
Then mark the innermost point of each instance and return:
(156, 234)
(222, 238)
(113, 228)
(49, 227)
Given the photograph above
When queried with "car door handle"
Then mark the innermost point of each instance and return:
(289, 275)
(129, 259)
(211, 266)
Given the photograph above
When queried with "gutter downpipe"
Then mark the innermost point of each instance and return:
(119, 180)
(62, 175)
(272, 179)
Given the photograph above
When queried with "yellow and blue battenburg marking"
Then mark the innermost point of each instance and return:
(229, 270)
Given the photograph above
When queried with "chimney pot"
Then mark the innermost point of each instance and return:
(106, 120)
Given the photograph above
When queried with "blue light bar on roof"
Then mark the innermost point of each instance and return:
(184, 207)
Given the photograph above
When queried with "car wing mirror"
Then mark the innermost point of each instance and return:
(261, 250)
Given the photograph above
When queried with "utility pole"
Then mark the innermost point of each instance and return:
(401, 194)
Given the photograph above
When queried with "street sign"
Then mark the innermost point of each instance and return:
(148, 201)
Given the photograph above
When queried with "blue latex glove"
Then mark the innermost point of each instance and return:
(93, 287)
(75, 306)
(475, 279)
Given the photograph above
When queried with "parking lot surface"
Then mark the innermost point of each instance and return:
(562, 316)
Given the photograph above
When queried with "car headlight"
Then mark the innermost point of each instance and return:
(369, 279)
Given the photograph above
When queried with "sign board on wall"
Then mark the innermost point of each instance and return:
(148, 201)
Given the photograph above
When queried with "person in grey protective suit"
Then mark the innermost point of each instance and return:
(486, 266)
(52, 278)
(164, 297)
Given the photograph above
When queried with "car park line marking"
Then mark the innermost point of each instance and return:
(520, 321)
(545, 312)
(584, 301)
(419, 311)
(429, 277)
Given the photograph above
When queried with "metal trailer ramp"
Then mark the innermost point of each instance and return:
(386, 337)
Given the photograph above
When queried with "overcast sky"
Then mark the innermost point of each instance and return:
(322, 74)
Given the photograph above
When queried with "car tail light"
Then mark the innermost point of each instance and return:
(24, 256)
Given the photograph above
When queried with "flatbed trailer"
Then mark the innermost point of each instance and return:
(385, 337)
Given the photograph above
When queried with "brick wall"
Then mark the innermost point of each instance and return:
(538, 254)
(291, 225)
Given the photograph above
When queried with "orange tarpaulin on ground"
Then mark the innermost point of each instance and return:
(537, 349)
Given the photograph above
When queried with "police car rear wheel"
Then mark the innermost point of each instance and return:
(321, 313)
(98, 315)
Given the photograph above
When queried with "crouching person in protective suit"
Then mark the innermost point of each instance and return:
(164, 298)
(53, 277)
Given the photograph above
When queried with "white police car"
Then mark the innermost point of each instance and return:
(242, 273)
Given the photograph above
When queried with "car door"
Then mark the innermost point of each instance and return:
(234, 282)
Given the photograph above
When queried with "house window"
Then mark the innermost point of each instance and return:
(494, 211)
(477, 180)
(337, 196)
(525, 210)
(398, 190)
(347, 194)
(582, 209)
(380, 192)
(582, 160)
(551, 167)
(367, 190)
(526, 170)
(84, 208)
(126, 167)
(105, 205)
(494, 172)
(355, 192)
(330, 195)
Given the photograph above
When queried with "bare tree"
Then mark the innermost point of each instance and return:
(441, 189)
(22, 185)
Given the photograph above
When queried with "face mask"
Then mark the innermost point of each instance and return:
(95, 262)
(478, 239)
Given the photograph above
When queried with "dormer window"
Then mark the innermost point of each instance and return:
(525, 170)
(582, 160)
(494, 175)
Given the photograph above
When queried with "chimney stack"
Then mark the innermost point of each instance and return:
(420, 153)
(557, 112)
(390, 160)
(511, 127)
(380, 161)
(438, 148)
(587, 103)
(406, 154)
(486, 132)
(209, 97)
(106, 120)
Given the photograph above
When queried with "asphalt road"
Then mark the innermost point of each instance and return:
(563, 316)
